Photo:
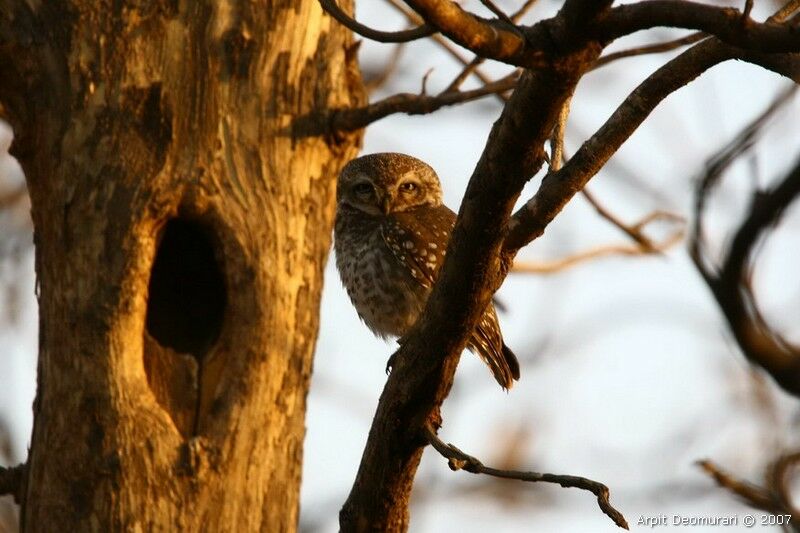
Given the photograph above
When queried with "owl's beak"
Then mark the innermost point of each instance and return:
(386, 204)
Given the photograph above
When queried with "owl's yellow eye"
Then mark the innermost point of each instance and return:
(362, 189)
(409, 187)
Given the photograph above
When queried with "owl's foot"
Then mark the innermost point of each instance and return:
(393, 357)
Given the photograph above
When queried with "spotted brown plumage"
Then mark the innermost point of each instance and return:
(390, 238)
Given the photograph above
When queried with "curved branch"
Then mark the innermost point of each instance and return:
(730, 284)
(727, 24)
(779, 481)
(404, 36)
(458, 460)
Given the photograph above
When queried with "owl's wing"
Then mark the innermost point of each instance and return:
(418, 239)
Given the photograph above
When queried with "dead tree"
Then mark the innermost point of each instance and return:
(179, 255)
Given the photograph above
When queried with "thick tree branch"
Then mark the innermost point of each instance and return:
(494, 39)
(403, 36)
(458, 460)
(727, 24)
(426, 362)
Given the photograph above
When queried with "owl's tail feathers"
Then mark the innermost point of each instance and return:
(511, 361)
(488, 344)
(503, 363)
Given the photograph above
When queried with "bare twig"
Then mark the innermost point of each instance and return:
(657, 48)
(404, 36)
(11, 481)
(458, 460)
(771, 498)
(497, 11)
(413, 104)
(438, 39)
(530, 220)
(634, 231)
(754, 495)
(559, 265)
(748, 8)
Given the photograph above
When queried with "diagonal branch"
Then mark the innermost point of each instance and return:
(404, 36)
(458, 460)
(557, 188)
(634, 231)
(773, 497)
(755, 496)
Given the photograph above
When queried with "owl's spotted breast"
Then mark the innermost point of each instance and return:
(384, 293)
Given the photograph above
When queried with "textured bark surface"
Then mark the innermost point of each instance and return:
(161, 133)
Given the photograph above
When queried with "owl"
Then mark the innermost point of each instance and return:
(390, 237)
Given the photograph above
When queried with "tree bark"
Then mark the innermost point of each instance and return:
(181, 230)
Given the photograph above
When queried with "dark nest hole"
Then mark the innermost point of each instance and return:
(187, 296)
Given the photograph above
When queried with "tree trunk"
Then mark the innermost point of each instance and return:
(181, 228)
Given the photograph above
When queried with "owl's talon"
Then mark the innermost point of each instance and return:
(390, 364)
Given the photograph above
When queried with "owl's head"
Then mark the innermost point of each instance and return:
(379, 184)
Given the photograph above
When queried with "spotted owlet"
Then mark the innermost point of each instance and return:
(390, 238)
